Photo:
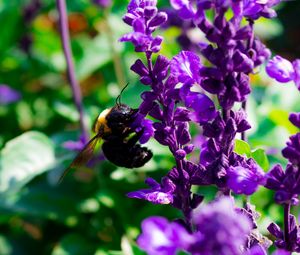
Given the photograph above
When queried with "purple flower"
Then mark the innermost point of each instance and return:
(203, 106)
(296, 65)
(75, 145)
(141, 41)
(135, 4)
(286, 240)
(158, 193)
(221, 229)
(255, 9)
(284, 71)
(292, 151)
(8, 95)
(102, 3)
(281, 252)
(285, 183)
(245, 178)
(256, 250)
(159, 73)
(145, 126)
(144, 17)
(187, 40)
(160, 237)
(240, 118)
(280, 69)
(185, 8)
(295, 119)
(217, 152)
(174, 100)
(261, 52)
(186, 67)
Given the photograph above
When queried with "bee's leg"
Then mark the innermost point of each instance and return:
(127, 132)
(134, 139)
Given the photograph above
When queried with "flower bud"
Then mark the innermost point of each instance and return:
(280, 69)
(180, 154)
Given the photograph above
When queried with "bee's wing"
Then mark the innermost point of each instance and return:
(83, 156)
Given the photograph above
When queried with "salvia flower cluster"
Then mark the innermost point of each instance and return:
(201, 85)
(286, 183)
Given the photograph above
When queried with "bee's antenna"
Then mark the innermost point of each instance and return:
(118, 99)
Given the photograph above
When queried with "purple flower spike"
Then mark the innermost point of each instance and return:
(286, 241)
(159, 237)
(186, 67)
(8, 95)
(245, 179)
(144, 18)
(222, 229)
(184, 7)
(285, 184)
(280, 69)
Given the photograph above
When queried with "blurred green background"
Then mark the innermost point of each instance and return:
(89, 212)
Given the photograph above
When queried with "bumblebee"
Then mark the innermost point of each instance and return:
(120, 145)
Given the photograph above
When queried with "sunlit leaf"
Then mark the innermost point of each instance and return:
(90, 205)
(268, 28)
(261, 158)
(5, 246)
(67, 111)
(95, 54)
(23, 158)
(281, 117)
(242, 148)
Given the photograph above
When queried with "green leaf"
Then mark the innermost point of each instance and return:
(68, 111)
(10, 16)
(42, 201)
(126, 246)
(261, 159)
(182, 253)
(108, 252)
(268, 29)
(281, 118)
(137, 250)
(242, 148)
(88, 63)
(74, 244)
(23, 158)
(5, 246)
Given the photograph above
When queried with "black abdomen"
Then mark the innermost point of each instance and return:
(124, 155)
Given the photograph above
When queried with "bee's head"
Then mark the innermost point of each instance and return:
(120, 118)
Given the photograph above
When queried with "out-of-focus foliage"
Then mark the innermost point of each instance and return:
(89, 213)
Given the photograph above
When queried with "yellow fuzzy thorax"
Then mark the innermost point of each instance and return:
(101, 122)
